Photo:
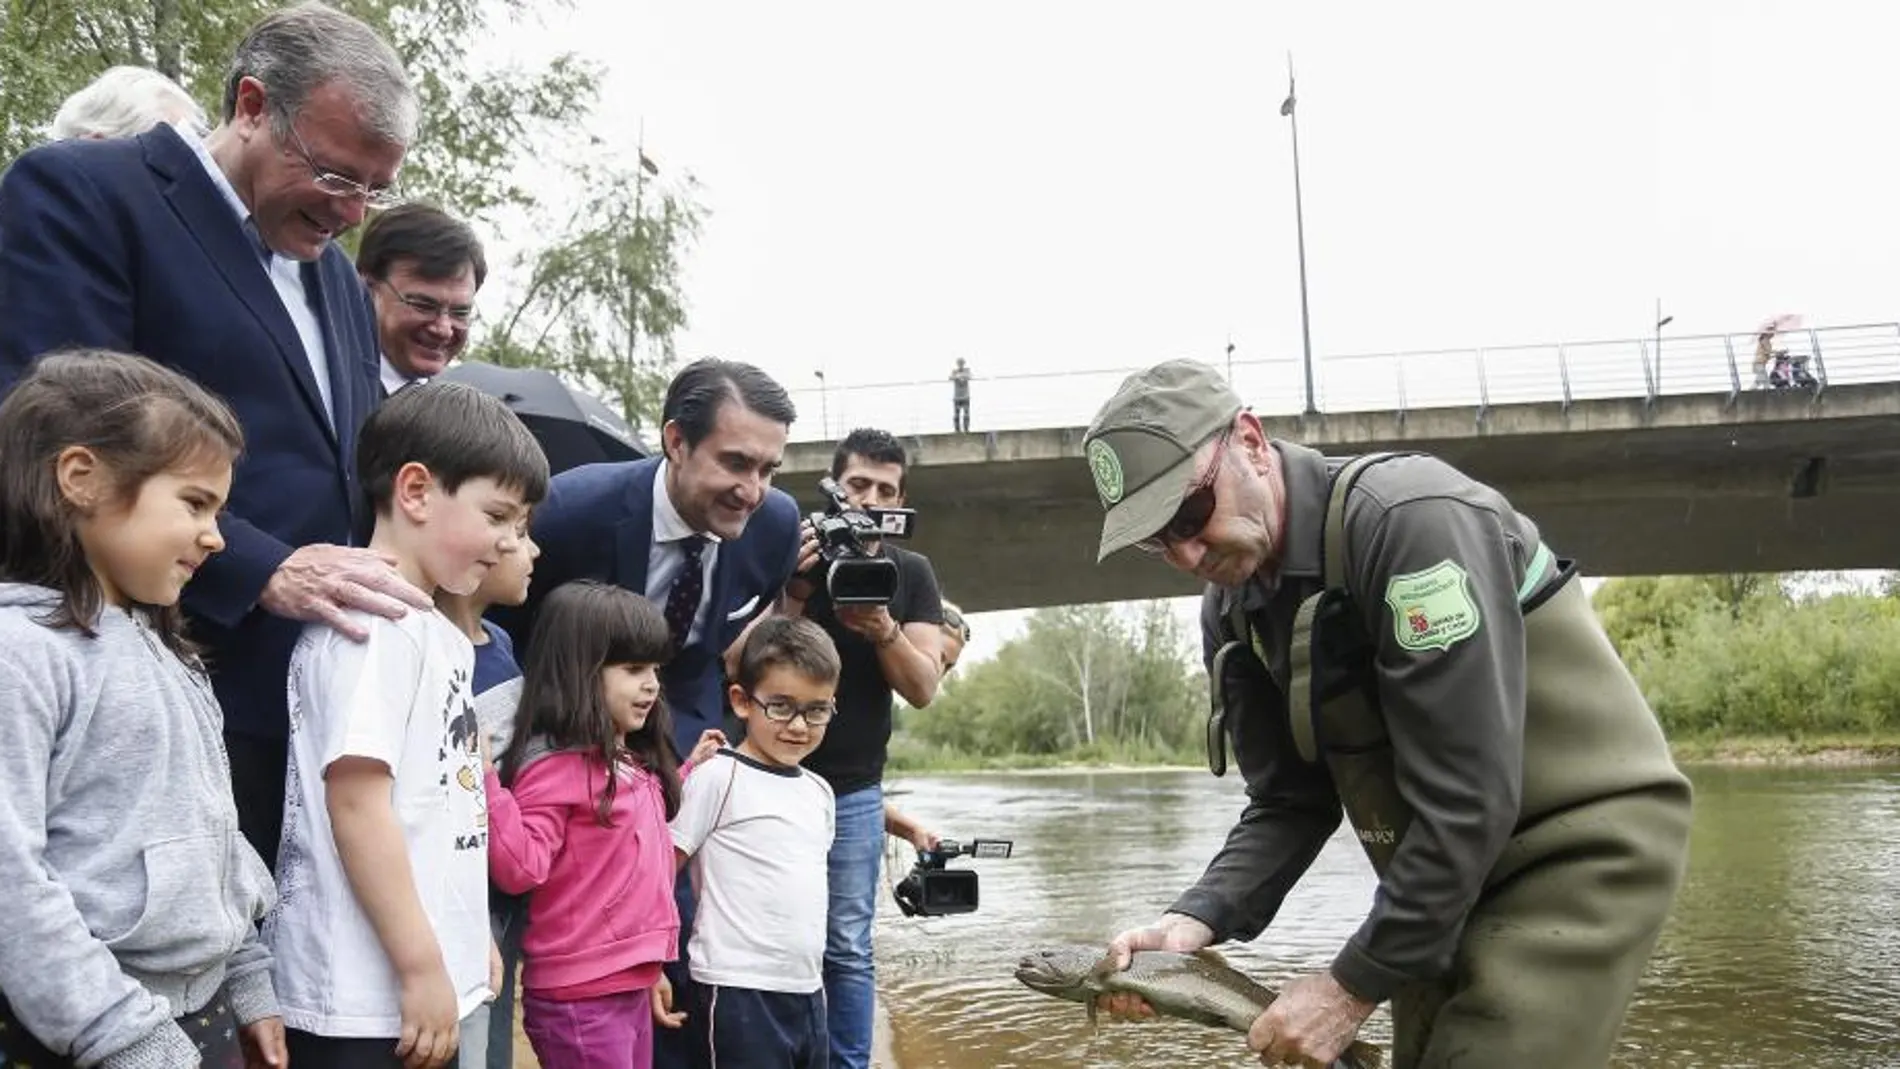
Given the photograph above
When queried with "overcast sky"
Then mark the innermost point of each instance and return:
(1050, 186)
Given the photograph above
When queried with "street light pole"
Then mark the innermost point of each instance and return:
(824, 408)
(1661, 322)
(1299, 222)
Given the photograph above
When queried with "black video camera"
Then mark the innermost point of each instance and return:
(931, 890)
(852, 575)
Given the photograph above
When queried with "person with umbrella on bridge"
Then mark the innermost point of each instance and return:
(1387, 636)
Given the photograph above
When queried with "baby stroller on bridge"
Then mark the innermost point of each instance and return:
(1790, 372)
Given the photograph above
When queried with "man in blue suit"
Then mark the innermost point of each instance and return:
(217, 258)
(701, 532)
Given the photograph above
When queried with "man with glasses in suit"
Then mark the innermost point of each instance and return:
(423, 267)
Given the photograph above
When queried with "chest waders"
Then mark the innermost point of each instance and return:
(1550, 954)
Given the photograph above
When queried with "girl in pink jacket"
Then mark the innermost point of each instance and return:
(578, 813)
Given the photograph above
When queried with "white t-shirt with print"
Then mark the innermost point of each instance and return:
(402, 698)
(759, 837)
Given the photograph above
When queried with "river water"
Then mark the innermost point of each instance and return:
(1784, 948)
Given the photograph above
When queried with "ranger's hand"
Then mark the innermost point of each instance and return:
(1175, 932)
(1311, 1023)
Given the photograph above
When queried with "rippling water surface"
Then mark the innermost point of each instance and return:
(1784, 949)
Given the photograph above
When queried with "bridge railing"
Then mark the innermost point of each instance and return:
(1474, 379)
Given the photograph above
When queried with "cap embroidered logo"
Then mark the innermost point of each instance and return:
(1107, 468)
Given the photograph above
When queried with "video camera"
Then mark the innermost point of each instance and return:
(851, 574)
(931, 890)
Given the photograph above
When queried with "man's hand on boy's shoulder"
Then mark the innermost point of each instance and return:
(319, 583)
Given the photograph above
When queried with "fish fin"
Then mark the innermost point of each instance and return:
(1361, 1055)
(1211, 956)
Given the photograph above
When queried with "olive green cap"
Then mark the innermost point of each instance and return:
(1140, 448)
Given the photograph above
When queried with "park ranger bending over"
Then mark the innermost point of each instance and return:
(1389, 636)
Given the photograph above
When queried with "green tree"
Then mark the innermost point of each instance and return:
(1082, 681)
(601, 305)
(605, 275)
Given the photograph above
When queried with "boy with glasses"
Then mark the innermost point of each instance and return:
(757, 830)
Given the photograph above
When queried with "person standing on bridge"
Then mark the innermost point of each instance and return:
(960, 398)
(1389, 636)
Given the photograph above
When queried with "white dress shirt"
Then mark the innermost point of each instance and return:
(666, 556)
(285, 275)
(393, 379)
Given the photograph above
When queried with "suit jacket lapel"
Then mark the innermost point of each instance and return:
(215, 227)
(633, 535)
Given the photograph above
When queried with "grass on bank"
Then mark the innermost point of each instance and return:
(908, 756)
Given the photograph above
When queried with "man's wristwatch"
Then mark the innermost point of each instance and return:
(891, 635)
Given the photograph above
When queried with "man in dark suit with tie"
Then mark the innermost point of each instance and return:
(217, 258)
(423, 267)
(702, 533)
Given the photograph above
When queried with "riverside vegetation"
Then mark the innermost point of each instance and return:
(1738, 668)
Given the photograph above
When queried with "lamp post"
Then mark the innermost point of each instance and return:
(1661, 322)
(824, 411)
(1299, 222)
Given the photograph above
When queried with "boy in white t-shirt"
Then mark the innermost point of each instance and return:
(757, 829)
(380, 934)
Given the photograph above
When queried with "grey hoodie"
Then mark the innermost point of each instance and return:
(128, 894)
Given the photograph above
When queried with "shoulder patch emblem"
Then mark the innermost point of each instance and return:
(1107, 469)
(1432, 609)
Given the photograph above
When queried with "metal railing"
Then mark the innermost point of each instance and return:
(1475, 379)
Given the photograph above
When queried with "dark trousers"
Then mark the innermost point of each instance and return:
(309, 1051)
(213, 1030)
(682, 1048)
(749, 1029)
(257, 786)
(960, 414)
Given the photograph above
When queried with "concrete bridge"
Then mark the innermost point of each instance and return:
(1727, 479)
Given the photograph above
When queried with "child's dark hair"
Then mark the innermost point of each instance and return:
(787, 642)
(457, 432)
(139, 419)
(583, 627)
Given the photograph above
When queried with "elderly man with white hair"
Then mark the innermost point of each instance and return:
(126, 102)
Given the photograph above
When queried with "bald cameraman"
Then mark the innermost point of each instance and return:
(884, 648)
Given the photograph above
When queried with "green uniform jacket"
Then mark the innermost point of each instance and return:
(1449, 666)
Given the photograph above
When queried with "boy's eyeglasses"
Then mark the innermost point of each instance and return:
(1196, 508)
(781, 710)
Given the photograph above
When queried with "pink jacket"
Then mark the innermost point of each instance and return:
(603, 896)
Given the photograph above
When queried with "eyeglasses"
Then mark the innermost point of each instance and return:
(781, 710)
(954, 621)
(335, 184)
(1196, 508)
(430, 307)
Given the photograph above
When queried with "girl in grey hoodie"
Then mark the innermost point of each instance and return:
(128, 894)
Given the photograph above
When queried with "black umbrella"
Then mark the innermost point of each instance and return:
(573, 426)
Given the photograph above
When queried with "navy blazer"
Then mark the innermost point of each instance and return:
(597, 523)
(129, 245)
